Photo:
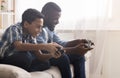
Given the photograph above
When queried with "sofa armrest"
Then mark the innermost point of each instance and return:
(9, 71)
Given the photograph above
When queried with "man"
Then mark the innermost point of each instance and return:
(19, 46)
(74, 55)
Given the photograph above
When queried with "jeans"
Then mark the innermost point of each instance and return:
(26, 61)
(78, 63)
(63, 63)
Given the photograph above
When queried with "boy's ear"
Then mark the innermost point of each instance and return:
(26, 24)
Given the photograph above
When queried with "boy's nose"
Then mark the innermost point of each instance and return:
(40, 30)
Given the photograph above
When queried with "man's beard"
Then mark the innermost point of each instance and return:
(51, 28)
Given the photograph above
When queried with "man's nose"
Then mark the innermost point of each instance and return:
(56, 22)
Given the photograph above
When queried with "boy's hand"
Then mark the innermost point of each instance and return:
(57, 45)
(57, 54)
(53, 49)
(50, 48)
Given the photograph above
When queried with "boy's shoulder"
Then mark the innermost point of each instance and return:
(14, 27)
(17, 25)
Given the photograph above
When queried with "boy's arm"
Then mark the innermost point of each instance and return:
(35, 47)
(41, 56)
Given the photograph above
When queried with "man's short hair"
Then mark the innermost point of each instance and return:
(30, 15)
(49, 7)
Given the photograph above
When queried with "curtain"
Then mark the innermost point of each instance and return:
(93, 27)
(90, 21)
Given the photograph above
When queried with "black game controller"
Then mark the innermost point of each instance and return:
(89, 44)
(60, 50)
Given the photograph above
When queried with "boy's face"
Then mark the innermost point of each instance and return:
(35, 27)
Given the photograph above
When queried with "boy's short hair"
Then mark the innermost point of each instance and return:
(30, 15)
(49, 7)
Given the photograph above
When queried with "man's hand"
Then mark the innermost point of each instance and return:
(80, 49)
(78, 41)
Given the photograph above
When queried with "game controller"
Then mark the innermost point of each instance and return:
(60, 50)
(89, 44)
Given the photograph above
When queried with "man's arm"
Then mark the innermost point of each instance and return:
(76, 42)
(80, 49)
(79, 46)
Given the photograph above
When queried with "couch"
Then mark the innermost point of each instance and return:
(10, 71)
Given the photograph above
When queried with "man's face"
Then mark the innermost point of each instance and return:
(35, 27)
(52, 19)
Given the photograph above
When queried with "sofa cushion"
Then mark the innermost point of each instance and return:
(54, 71)
(39, 74)
(9, 71)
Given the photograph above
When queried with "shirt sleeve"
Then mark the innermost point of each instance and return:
(58, 40)
(13, 34)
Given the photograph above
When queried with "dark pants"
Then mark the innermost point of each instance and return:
(63, 63)
(78, 63)
(26, 61)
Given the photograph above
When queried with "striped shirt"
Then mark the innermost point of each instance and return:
(12, 34)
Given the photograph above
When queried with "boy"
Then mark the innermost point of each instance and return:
(19, 46)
